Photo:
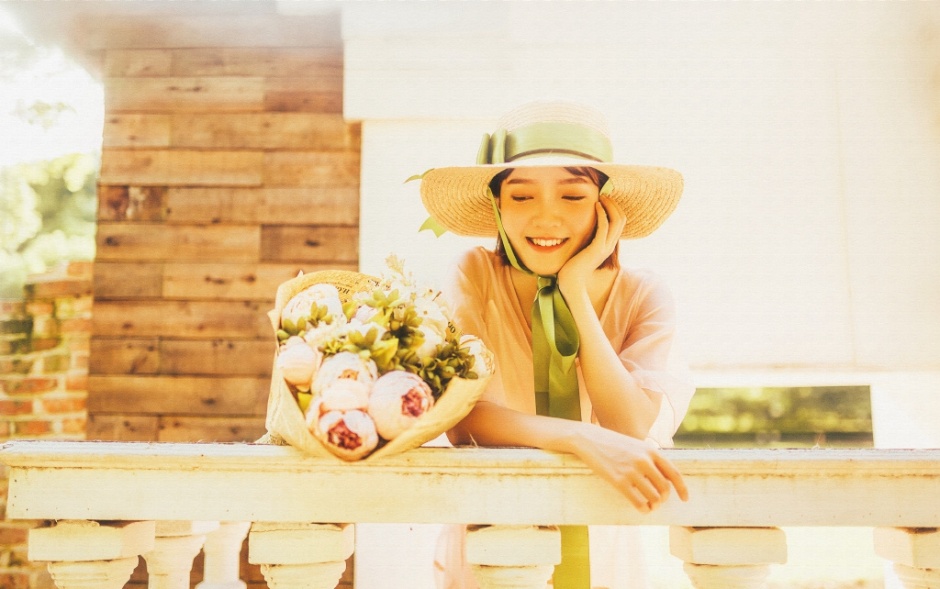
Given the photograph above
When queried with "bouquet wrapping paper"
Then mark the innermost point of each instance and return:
(286, 420)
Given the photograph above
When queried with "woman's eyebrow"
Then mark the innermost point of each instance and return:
(519, 181)
(574, 180)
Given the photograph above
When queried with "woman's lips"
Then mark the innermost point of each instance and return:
(546, 244)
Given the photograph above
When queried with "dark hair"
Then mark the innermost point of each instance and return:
(596, 177)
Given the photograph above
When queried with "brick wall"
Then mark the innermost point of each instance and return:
(44, 341)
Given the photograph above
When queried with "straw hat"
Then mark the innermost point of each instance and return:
(548, 134)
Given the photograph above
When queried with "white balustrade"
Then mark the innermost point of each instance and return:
(222, 556)
(107, 496)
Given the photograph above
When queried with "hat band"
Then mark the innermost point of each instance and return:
(547, 138)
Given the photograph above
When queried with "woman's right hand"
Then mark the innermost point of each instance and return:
(632, 466)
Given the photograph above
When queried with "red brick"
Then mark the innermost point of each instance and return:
(16, 407)
(57, 288)
(79, 361)
(14, 307)
(77, 342)
(5, 429)
(32, 428)
(77, 381)
(16, 364)
(13, 533)
(68, 404)
(30, 385)
(82, 269)
(75, 425)
(14, 344)
(75, 325)
(44, 343)
(37, 308)
(15, 579)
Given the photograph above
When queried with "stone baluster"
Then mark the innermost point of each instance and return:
(728, 558)
(513, 557)
(301, 555)
(915, 553)
(85, 554)
(222, 552)
(175, 546)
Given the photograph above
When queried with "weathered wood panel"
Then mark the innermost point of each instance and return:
(156, 242)
(257, 282)
(125, 428)
(218, 357)
(185, 395)
(259, 30)
(138, 62)
(303, 95)
(210, 429)
(182, 319)
(313, 243)
(127, 280)
(308, 131)
(269, 62)
(131, 203)
(110, 355)
(181, 167)
(136, 130)
(311, 168)
(326, 205)
(181, 94)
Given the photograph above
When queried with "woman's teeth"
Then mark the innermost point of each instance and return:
(543, 242)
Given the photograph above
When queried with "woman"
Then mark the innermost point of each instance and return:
(582, 345)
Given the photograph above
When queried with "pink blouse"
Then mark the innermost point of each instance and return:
(638, 319)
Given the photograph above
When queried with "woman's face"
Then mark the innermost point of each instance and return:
(549, 215)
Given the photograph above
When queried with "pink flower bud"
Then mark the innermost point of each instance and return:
(298, 364)
(350, 434)
(398, 399)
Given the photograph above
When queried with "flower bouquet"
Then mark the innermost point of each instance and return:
(366, 366)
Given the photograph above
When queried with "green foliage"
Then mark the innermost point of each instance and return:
(47, 216)
(778, 412)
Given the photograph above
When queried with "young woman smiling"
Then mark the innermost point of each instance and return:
(582, 345)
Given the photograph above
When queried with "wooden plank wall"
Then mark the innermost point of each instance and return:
(226, 168)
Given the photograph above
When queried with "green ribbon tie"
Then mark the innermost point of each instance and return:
(555, 343)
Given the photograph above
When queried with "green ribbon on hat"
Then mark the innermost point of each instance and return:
(539, 139)
(555, 343)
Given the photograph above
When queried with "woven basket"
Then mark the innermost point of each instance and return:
(285, 420)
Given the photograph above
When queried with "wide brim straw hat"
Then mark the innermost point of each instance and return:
(548, 133)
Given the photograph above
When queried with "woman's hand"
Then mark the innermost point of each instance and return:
(578, 270)
(634, 467)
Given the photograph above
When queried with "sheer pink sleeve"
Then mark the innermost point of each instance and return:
(466, 293)
(649, 353)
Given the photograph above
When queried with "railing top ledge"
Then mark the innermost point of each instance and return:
(261, 457)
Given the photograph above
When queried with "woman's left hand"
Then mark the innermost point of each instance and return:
(610, 222)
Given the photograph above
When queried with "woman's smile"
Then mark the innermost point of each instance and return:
(549, 215)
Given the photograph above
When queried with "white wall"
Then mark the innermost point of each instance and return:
(807, 133)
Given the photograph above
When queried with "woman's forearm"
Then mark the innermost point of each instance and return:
(619, 402)
(489, 424)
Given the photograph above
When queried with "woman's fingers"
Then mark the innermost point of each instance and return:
(672, 475)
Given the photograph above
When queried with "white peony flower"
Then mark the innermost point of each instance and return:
(344, 394)
(481, 365)
(324, 295)
(432, 315)
(398, 399)
(298, 363)
(351, 435)
(432, 339)
(344, 365)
